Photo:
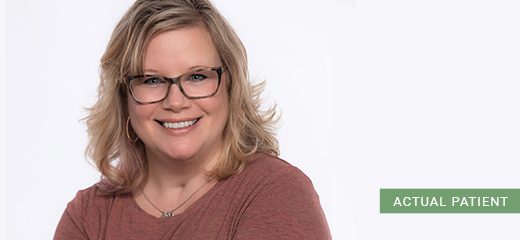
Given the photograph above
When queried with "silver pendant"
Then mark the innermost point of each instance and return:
(167, 214)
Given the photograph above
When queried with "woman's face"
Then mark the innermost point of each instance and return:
(177, 127)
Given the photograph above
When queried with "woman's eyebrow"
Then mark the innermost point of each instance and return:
(190, 68)
(155, 72)
(150, 71)
(197, 67)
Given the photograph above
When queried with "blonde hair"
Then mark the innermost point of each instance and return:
(123, 163)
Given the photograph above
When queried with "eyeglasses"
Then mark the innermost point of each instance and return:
(200, 83)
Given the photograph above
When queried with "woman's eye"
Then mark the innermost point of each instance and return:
(197, 77)
(152, 80)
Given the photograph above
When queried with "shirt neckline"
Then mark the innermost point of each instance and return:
(193, 207)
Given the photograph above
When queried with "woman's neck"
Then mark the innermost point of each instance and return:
(175, 182)
(165, 172)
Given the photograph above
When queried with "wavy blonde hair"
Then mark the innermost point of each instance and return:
(123, 163)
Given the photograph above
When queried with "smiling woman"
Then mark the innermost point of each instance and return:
(182, 147)
(177, 128)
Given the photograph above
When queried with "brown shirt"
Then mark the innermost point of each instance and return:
(270, 199)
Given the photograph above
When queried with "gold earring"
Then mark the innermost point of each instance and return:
(128, 131)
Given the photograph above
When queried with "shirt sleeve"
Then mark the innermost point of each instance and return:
(287, 207)
(70, 226)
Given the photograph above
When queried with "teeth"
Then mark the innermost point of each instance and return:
(176, 125)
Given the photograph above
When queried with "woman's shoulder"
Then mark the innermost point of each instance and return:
(89, 192)
(280, 197)
(88, 200)
(87, 207)
(93, 193)
(268, 166)
(266, 172)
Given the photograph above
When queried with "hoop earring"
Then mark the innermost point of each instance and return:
(128, 132)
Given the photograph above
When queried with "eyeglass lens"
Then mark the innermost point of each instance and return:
(196, 84)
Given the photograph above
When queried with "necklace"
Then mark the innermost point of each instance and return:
(171, 213)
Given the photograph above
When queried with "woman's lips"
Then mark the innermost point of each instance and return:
(178, 124)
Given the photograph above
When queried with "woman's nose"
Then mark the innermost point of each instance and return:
(175, 100)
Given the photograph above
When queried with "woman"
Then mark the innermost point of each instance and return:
(182, 147)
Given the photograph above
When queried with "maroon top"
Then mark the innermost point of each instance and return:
(270, 199)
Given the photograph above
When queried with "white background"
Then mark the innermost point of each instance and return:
(373, 94)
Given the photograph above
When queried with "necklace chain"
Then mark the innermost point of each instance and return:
(171, 213)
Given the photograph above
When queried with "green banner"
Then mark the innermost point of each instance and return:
(449, 200)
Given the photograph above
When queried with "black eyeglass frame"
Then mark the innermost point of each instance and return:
(175, 80)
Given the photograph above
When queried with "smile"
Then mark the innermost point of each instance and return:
(177, 125)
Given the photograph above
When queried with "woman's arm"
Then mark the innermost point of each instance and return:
(288, 208)
(69, 229)
(71, 225)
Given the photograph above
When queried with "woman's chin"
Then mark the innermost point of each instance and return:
(181, 156)
(174, 153)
